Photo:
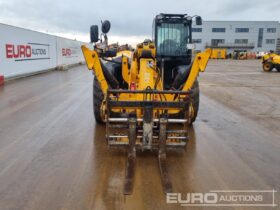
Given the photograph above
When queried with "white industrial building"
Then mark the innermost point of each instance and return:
(250, 36)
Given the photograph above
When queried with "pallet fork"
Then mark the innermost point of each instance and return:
(147, 133)
(130, 167)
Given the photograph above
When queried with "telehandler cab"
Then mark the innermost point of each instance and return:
(147, 97)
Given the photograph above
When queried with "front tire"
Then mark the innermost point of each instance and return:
(267, 66)
(98, 98)
(194, 96)
(195, 100)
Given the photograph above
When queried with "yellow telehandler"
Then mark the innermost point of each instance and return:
(271, 61)
(147, 97)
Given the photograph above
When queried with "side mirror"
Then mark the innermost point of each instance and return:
(106, 25)
(94, 35)
(198, 20)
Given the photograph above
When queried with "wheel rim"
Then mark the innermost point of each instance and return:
(103, 110)
(266, 67)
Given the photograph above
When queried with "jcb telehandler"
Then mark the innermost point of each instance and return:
(147, 97)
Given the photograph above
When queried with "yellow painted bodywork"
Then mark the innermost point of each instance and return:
(93, 63)
(218, 54)
(126, 53)
(142, 74)
(146, 76)
(125, 69)
(199, 65)
(272, 57)
(276, 59)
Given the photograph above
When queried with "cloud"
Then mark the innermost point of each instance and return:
(129, 19)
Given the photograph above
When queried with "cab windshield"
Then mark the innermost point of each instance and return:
(172, 39)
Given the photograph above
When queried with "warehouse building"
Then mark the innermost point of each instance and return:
(236, 36)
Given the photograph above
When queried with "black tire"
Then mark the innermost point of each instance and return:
(267, 66)
(97, 101)
(195, 100)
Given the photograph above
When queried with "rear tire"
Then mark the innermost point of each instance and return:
(98, 98)
(267, 66)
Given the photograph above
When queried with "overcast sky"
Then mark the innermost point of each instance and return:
(131, 20)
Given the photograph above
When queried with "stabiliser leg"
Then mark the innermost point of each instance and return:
(129, 175)
(167, 186)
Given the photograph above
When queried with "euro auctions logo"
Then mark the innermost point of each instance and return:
(19, 51)
(70, 52)
(66, 52)
(26, 52)
(240, 198)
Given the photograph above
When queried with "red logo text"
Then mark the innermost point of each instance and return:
(18, 51)
(66, 52)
